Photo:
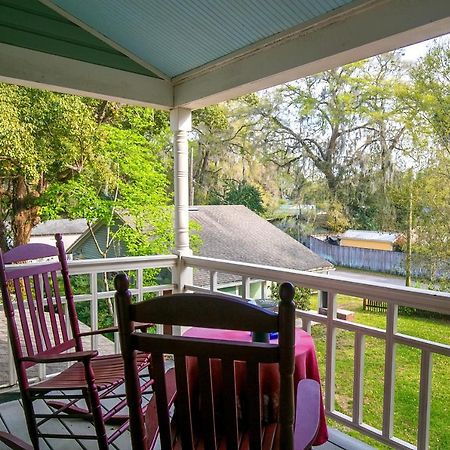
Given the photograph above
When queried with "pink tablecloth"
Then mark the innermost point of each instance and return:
(305, 365)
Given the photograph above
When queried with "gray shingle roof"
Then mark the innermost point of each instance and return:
(63, 226)
(236, 233)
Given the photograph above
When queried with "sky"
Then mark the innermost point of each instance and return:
(416, 51)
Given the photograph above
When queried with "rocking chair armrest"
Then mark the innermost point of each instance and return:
(139, 325)
(65, 357)
(101, 331)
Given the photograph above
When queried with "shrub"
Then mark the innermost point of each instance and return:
(302, 296)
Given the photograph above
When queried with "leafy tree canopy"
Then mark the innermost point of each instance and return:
(44, 138)
(129, 194)
(65, 156)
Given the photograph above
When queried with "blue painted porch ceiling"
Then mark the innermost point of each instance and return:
(179, 35)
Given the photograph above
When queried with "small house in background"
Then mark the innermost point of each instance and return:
(44, 233)
(375, 240)
(85, 247)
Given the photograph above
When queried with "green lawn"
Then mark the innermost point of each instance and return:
(407, 375)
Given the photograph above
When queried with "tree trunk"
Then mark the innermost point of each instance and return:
(25, 213)
(3, 237)
(408, 233)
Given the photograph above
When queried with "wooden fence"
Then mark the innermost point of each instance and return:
(362, 258)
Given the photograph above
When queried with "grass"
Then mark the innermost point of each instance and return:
(407, 375)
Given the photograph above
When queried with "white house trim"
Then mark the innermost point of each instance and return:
(181, 124)
(348, 38)
(56, 73)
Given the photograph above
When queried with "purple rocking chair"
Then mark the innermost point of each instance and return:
(39, 334)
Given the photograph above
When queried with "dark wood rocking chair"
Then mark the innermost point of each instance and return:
(36, 317)
(172, 412)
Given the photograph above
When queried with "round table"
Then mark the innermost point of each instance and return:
(305, 367)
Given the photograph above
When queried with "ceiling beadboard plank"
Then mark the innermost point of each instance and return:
(32, 6)
(29, 24)
(111, 43)
(39, 24)
(179, 36)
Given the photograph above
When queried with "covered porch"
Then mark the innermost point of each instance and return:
(12, 420)
(327, 331)
(183, 57)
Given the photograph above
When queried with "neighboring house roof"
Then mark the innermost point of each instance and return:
(376, 236)
(44, 233)
(123, 217)
(63, 226)
(236, 233)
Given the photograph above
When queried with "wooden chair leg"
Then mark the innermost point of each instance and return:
(31, 421)
(97, 415)
(95, 408)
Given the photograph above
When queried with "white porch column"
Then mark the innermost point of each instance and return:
(180, 124)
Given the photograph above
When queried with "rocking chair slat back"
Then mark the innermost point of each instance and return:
(199, 423)
(23, 317)
(206, 393)
(33, 315)
(230, 407)
(33, 292)
(51, 308)
(40, 309)
(60, 308)
(31, 270)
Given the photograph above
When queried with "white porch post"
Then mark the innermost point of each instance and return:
(180, 124)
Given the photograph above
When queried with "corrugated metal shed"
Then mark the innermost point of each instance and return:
(377, 236)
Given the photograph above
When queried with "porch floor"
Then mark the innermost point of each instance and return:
(12, 420)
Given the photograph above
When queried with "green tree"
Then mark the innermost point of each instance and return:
(349, 127)
(211, 132)
(45, 138)
(431, 95)
(239, 193)
(302, 296)
(126, 190)
(430, 99)
(130, 197)
(224, 148)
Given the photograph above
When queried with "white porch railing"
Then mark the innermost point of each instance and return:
(137, 264)
(394, 296)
